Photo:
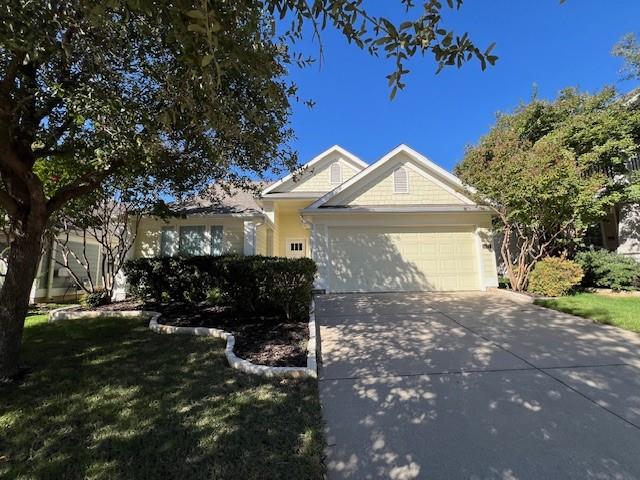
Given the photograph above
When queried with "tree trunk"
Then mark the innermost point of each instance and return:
(24, 255)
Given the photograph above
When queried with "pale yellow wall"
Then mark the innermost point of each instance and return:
(318, 177)
(422, 191)
(261, 239)
(488, 256)
(290, 226)
(148, 238)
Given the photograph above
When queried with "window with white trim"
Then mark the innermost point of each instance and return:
(192, 240)
(217, 234)
(400, 180)
(168, 241)
(336, 173)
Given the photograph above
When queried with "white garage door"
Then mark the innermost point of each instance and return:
(381, 259)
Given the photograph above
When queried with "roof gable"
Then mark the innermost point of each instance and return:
(315, 176)
(429, 184)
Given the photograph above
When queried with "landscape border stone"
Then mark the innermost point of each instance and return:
(311, 370)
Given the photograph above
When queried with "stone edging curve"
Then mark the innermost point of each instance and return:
(311, 370)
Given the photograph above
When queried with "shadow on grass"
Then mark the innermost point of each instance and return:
(107, 398)
(598, 314)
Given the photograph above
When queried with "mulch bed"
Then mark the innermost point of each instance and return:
(273, 341)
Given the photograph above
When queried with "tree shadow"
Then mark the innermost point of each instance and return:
(442, 385)
(363, 261)
(107, 398)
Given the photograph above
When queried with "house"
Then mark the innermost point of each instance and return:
(55, 275)
(619, 231)
(400, 224)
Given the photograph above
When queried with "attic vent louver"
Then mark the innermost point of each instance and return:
(336, 173)
(400, 180)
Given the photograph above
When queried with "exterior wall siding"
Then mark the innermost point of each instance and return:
(290, 226)
(148, 238)
(421, 192)
(318, 179)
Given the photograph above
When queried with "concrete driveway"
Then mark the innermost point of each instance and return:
(474, 386)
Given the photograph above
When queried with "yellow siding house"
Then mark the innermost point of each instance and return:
(400, 224)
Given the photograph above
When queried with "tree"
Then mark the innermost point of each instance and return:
(628, 49)
(110, 218)
(549, 170)
(179, 93)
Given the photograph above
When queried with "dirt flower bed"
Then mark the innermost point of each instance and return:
(264, 340)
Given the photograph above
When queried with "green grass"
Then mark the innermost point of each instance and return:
(107, 398)
(621, 311)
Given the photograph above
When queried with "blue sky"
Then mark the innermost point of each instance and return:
(539, 42)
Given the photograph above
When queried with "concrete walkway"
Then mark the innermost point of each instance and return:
(474, 386)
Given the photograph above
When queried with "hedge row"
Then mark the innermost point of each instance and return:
(252, 284)
(606, 269)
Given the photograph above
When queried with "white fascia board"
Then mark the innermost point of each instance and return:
(292, 195)
(402, 148)
(336, 148)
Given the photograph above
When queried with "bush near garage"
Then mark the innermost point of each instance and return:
(606, 269)
(554, 277)
(248, 284)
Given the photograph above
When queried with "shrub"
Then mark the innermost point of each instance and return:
(249, 284)
(554, 277)
(215, 296)
(95, 299)
(606, 269)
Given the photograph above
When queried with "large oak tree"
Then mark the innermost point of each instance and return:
(175, 93)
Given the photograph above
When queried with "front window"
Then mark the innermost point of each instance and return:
(192, 241)
(216, 240)
(168, 242)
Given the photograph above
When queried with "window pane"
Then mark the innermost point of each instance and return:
(216, 240)
(192, 241)
(168, 242)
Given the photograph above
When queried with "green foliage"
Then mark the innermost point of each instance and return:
(549, 170)
(176, 94)
(215, 296)
(554, 277)
(628, 49)
(95, 299)
(253, 284)
(607, 269)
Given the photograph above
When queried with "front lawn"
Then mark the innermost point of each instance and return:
(621, 311)
(107, 398)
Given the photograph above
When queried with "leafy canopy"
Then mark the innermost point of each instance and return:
(549, 170)
(175, 93)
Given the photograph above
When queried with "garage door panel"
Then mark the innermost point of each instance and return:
(402, 259)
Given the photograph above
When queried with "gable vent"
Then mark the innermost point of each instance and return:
(336, 173)
(400, 180)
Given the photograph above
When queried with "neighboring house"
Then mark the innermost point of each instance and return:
(619, 231)
(53, 281)
(400, 224)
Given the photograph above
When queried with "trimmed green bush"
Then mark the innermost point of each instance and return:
(606, 269)
(95, 299)
(554, 277)
(252, 284)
